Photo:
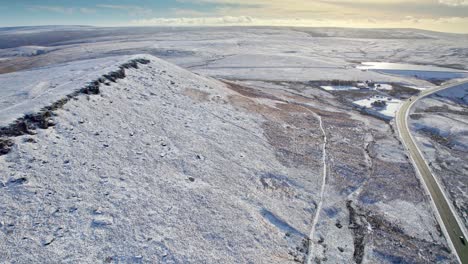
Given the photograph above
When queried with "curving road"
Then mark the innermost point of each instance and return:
(447, 216)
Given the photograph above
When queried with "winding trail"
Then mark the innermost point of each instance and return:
(310, 250)
(322, 189)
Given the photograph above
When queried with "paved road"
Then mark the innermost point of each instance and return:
(448, 217)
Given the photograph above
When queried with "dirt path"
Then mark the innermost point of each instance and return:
(322, 189)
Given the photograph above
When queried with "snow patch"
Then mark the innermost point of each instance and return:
(25, 51)
(339, 88)
(388, 109)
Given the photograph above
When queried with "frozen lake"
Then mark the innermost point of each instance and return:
(426, 72)
(404, 67)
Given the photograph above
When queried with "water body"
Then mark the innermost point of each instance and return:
(405, 67)
(426, 72)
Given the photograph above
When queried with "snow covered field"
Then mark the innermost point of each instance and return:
(339, 88)
(24, 51)
(384, 86)
(215, 150)
(275, 54)
(388, 111)
(364, 86)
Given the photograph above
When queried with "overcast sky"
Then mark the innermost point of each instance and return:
(440, 15)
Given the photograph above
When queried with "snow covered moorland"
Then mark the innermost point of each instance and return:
(211, 145)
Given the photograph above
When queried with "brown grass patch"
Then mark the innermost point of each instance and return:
(197, 95)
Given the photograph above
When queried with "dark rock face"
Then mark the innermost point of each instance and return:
(359, 230)
(388, 237)
(43, 119)
(5, 145)
(16, 182)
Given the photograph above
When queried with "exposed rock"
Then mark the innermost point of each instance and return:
(42, 120)
(16, 182)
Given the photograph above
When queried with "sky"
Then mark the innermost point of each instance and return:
(438, 15)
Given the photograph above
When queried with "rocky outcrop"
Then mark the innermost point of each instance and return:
(43, 119)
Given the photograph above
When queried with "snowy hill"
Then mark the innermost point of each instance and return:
(29, 91)
(154, 164)
(156, 168)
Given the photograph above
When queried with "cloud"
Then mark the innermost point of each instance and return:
(131, 9)
(452, 14)
(411, 19)
(448, 24)
(337, 9)
(179, 12)
(55, 9)
(61, 9)
(188, 21)
(85, 10)
(454, 2)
